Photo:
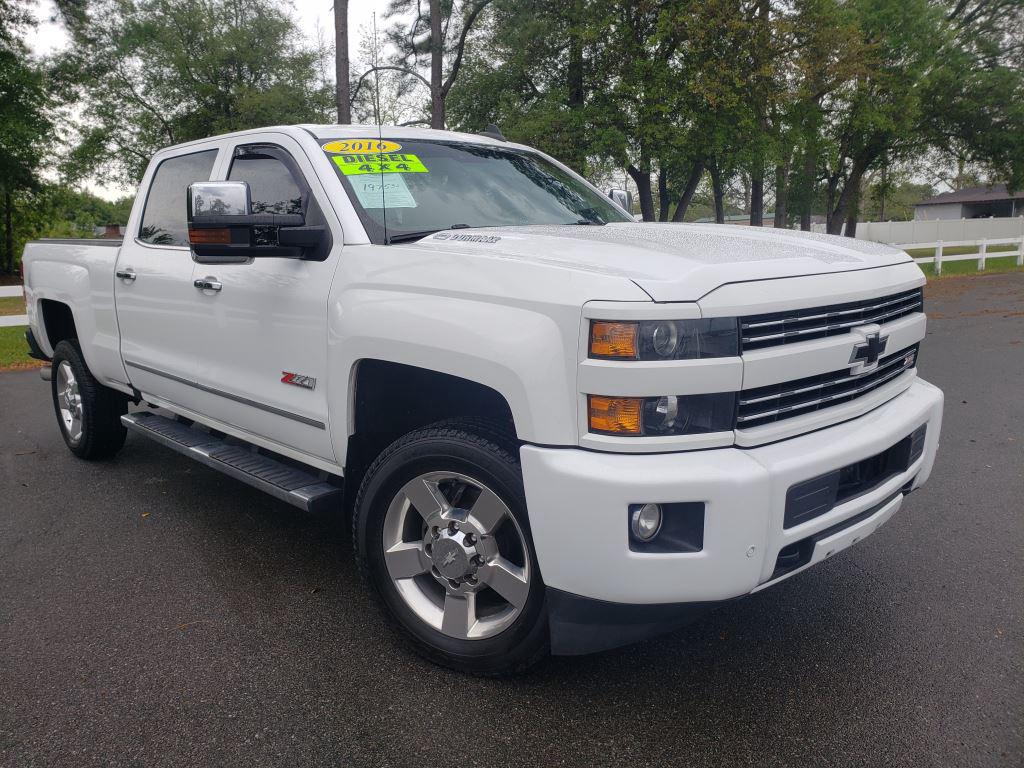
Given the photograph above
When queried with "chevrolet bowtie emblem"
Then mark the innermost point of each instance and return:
(869, 352)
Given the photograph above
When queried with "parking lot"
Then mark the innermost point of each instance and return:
(153, 612)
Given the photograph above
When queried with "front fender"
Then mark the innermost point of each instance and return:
(527, 356)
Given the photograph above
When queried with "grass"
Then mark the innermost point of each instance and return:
(14, 350)
(969, 266)
(992, 267)
(12, 305)
(958, 250)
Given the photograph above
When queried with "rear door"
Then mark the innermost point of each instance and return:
(262, 360)
(153, 290)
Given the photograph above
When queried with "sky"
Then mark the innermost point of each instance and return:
(49, 36)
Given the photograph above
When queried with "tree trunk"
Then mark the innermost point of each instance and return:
(719, 193)
(663, 198)
(757, 196)
(436, 62)
(691, 186)
(642, 178)
(808, 181)
(8, 260)
(576, 155)
(881, 197)
(847, 199)
(781, 194)
(341, 89)
(831, 205)
(851, 218)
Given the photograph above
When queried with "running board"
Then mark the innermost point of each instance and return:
(297, 487)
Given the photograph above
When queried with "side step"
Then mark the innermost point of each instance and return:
(295, 486)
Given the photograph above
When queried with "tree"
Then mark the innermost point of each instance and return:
(342, 97)
(151, 76)
(531, 72)
(973, 105)
(25, 122)
(435, 37)
(383, 96)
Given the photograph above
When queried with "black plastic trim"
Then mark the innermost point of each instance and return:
(582, 625)
(812, 498)
(682, 529)
(798, 554)
(34, 350)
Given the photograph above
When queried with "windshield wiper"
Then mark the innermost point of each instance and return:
(405, 237)
(590, 216)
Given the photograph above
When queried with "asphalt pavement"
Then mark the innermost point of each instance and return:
(153, 612)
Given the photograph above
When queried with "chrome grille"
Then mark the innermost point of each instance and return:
(775, 402)
(776, 328)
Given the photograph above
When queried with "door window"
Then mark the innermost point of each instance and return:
(275, 184)
(163, 219)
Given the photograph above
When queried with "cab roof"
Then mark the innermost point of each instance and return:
(398, 132)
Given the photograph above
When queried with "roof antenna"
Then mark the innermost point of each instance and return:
(493, 132)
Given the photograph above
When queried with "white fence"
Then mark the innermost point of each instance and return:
(12, 320)
(981, 255)
(972, 231)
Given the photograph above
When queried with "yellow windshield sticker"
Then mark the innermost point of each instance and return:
(360, 146)
(356, 165)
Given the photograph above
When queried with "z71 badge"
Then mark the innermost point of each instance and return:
(298, 380)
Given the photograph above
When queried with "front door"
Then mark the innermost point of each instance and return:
(262, 363)
(153, 285)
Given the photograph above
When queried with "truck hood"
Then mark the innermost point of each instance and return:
(671, 262)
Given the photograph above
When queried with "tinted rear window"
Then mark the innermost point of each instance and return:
(163, 220)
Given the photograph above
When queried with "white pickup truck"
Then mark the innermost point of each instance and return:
(556, 429)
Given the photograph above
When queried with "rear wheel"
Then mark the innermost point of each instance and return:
(88, 413)
(442, 535)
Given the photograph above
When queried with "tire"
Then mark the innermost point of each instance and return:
(485, 614)
(88, 414)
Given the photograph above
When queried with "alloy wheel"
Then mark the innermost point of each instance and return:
(456, 555)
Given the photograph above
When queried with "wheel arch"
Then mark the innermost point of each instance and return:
(58, 322)
(388, 399)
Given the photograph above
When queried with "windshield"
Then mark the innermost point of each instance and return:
(426, 186)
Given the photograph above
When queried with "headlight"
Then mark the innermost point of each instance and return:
(662, 416)
(664, 339)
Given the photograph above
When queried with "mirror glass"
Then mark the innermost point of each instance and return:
(622, 197)
(219, 198)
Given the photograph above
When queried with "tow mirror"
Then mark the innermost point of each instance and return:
(623, 198)
(221, 225)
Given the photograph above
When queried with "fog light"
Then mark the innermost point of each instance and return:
(645, 522)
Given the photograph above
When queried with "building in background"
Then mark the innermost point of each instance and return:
(108, 231)
(971, 203)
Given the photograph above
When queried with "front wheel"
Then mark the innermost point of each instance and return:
(442, 535)
(88, 413)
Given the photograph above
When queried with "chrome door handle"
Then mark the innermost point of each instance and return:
(207, 284)
(127, 275)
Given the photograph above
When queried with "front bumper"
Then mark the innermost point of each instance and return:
(578, 502)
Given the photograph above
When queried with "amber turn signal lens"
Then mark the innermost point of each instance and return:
(616, 415)
(613, 339)
(210, 236)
